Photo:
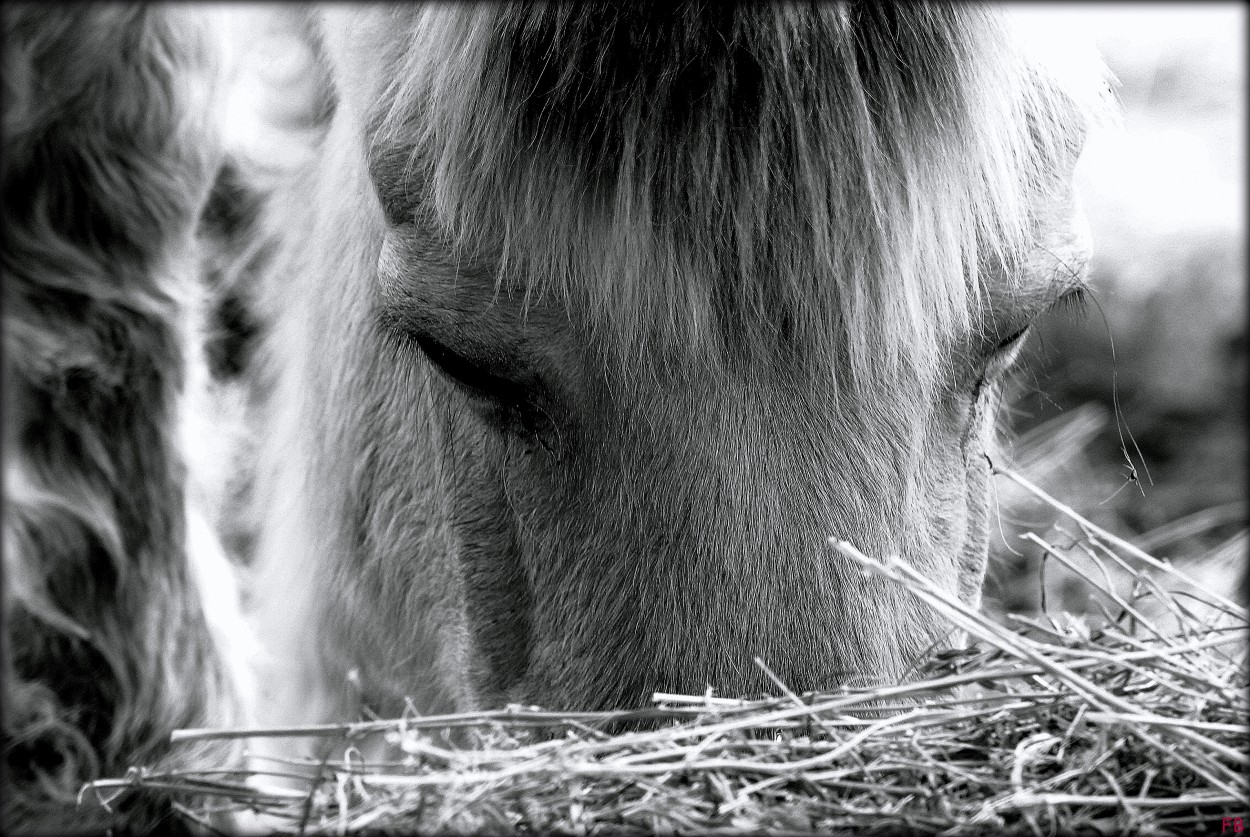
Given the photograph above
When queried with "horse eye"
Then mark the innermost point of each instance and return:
(1008, 342)
(522, 409)
(1005, 352)
(1000, 359)
(470, 375)
(1074, 300)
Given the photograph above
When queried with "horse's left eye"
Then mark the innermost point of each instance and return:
(472, 376)
(511, 405)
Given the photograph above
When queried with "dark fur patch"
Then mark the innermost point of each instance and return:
(229, 225)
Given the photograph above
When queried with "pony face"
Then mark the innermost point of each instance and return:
(622, 536)
(581, 362)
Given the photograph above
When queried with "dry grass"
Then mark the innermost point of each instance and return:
(1131, 722)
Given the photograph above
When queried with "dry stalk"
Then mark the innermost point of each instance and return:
(1058, 722)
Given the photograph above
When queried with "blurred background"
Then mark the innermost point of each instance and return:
(1157, 366)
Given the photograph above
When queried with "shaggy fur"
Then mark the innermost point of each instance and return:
(109, 636)
(715, 179)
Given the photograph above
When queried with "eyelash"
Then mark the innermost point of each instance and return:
(1073, 302)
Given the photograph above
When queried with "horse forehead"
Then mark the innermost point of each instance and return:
(681, 272)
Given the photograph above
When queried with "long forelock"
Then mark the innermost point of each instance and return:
(701, 183)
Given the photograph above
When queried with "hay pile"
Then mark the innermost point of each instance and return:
(1123, 724)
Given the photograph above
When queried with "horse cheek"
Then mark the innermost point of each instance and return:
(485, 476)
